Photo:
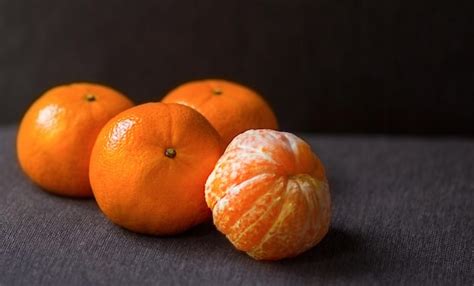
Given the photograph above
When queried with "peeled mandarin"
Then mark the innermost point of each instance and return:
(269, 195)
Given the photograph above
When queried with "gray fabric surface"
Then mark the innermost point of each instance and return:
(402, 214)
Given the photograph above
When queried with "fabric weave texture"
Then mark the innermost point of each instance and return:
(402, 214)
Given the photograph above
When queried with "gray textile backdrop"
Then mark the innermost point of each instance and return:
(402, 214)
(394, 66)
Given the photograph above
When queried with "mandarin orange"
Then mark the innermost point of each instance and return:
(149, 166)
(269, 195)
(230, 107)
(58, 131)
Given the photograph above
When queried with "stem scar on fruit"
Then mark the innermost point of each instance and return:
(90, 97)
(217, 91)
(170, 153)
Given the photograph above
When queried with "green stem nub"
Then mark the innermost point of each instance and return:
(170, 153)
(90, 97)
(216, 91)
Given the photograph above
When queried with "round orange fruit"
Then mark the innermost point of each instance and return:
(269, 195)
(230, 107)
(149, 166)
(58, 131)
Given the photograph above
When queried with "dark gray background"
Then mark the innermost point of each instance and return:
(331, 66)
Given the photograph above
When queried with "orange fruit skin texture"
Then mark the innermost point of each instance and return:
(230, 107)
(139, 187)
(58, 131)
(269, 195)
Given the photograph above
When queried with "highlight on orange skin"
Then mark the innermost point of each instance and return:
(269, 195)
(57, 133)
(230, 107)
